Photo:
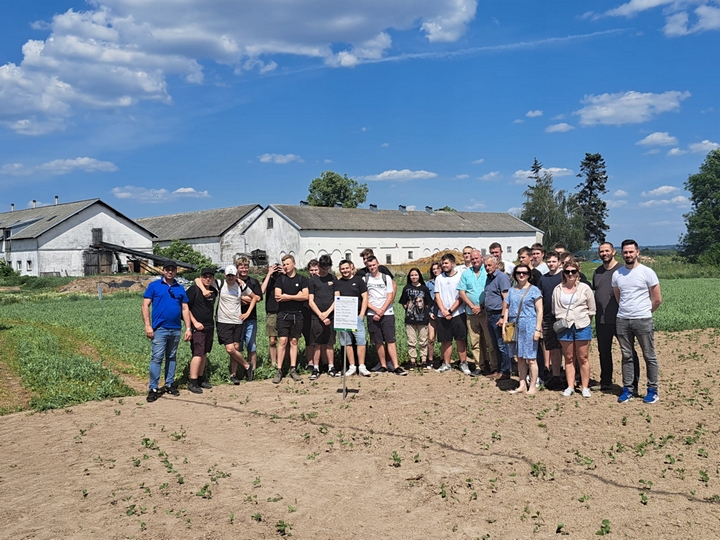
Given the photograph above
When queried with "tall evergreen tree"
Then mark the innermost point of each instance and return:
(701, 242)
(555, 213)
(593, 209)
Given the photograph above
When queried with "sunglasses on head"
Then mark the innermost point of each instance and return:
(570, 272)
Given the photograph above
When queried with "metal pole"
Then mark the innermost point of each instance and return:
(345, 368)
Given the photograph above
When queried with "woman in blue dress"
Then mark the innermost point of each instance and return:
(524, 307)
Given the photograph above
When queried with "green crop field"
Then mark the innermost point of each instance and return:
(70, 349)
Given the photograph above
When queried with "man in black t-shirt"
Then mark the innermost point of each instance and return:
(271, 309)
(550, 343)
(201, 316)
(291, 291)
(321, 301)
(354, 285)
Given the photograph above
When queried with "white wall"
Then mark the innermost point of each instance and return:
(283, 238)
(233, 241)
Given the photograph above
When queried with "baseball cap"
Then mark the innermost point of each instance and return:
(231, 270)
(207, 271)
(169, 264)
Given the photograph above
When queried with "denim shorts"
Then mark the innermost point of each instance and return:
(345, 338)
(576, 334)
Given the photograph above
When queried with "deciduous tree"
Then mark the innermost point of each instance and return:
(331, 188)
(701, 242)
(183, 252)
(593, 209)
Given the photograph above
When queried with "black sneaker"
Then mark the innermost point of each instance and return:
(332, 372)
(202, 383)
(381, 370)
(172, 390)
(195, 388)
(153, 395)
(400, 371)
(234, 380)
(315, 374)
(249, 373)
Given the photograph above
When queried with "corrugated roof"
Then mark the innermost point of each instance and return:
(202, 224)
(44, 218)
(316, 218)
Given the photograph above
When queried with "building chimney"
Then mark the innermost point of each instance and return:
(57, 199)
(12, 207)
(373, 207)
(304, 203)
(34, 203)
(429, 210)
(402, 208)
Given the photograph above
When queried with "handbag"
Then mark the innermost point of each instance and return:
(510, 332)
(561, 325)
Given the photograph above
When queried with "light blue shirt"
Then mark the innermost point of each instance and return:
(474, 286)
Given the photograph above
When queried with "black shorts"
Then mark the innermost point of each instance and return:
(290, 324)
(307, 327)
(230, 333)
(321, 334)
(202, 341)
(550, 339)
(455, 328)
(382, 330)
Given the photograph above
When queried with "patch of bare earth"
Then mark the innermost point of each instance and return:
(423, 456)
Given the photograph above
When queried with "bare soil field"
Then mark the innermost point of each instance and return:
(417, 457)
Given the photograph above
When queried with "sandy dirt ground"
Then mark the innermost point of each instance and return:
(417, 457)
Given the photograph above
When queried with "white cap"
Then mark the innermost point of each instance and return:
(231, 271)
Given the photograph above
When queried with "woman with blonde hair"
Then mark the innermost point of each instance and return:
(574, 307)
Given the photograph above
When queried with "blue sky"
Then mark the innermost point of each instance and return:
(165, 106)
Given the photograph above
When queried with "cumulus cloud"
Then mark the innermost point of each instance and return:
(280, 159)
(659, 138)
(462, 176)
(489, 176)
(662, 190)
(678, 19)
(676, 152)
(59, 167)
(703, 147)
(385, 145)
(627, 107)
(620, 193)
(680, 200)
(534, 114)
(518, 121)
(119, 52)
(522, 177)
(478, 161)
(562, 127)
(400, 176)
(148, 195)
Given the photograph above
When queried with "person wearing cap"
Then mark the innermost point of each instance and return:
(169, 303)
(202, 307)
(230, 319)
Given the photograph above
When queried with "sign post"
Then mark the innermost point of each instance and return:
(345, 320)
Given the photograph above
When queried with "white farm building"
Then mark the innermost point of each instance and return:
(396, 236)
(217, 234)
(57, 239)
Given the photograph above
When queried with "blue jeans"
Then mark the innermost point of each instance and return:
(249, 341)
(498, 343)
(164, 346)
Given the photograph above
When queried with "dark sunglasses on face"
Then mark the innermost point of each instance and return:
(570, 272)
(522, 273)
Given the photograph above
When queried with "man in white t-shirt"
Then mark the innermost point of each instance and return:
(637, 291)
(451, 320)
(230, 318)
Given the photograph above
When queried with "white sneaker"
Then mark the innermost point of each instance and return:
(538, 382)
(364, 371)
(586, 392)
(465, 368)
(445, 367)
(352, 370)
(568, 392)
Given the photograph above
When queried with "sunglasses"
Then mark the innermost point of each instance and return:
(570, 272)
(522, 273)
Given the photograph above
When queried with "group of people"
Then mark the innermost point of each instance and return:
(536, 312)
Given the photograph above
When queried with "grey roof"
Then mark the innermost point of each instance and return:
(316, 218)
(44, 218)
(202, 224)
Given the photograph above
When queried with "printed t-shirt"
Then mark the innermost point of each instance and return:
(378, 289)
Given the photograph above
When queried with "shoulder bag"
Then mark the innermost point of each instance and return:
(561, 325)
(510, 332)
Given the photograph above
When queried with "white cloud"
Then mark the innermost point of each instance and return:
(59, 167)
(534, 114)
(677, 16)
(616, 204)
(703, 147)
(522, 177)
(280, 159)
(462, 176)
(489, 176)
(119, 52)
(627, 107)
(559, 117)
(400, 176)
(676, 152)
(147, 195)
(411, 208)
(680, 200)
(620, 193)
(559, 128)
(384, 145)
(475, 205)
(327, 161)
(478, 161)
(662, 190)
(659, 138)
(651, 152)
(514, 211)
(518, 121)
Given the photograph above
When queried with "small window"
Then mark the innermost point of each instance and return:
(410, 256)
(18, 264)
(348, 256)
(509, 249)
(388, 259)
(28, 266)
(269, 223)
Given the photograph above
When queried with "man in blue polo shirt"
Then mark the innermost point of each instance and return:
(169, 308)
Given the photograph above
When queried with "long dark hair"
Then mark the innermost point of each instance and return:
(422, 280)
(433, 265)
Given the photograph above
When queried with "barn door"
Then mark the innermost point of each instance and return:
(91, 263)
